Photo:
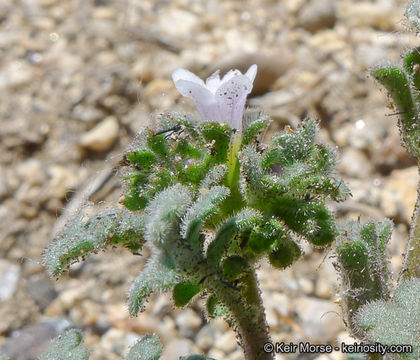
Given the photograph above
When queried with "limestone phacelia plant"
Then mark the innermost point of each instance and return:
(210, 201)
(372, 311)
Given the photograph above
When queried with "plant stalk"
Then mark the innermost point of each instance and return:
(248, 315)
(411, 265)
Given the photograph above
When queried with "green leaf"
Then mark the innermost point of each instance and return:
(285, 253)
(262, 238)
(186, 150)
(158, 275)
(218, 136)
(207, 205)
(183, 293)
(67, 347)
(145, 159)
(163, 214)
(396, 321)
(159, 145)
(80, 238)
(243, 221)
(234, 266)
(214, 308)
(363, 265)
(398, 87)
(214, 176)
(289, 148)
(354, 257)
(251, 164)
(310, 219)
(134, 201)
(148, 348)
(411, 66)
(412, 13)
(324, 231)
(223, 238)
(254, 129)
(395, 81)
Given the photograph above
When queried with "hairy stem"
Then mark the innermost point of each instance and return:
(248, 315)
(411, 266)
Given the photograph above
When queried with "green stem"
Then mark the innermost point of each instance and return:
(411, 265)
(232, 176)
(249, 321)
(235, 201)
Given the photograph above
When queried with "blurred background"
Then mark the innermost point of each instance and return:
(79, 78)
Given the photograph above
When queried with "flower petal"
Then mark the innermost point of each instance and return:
(204, 100)
(221, 100)
(231, 98)
(229, 75)
(213, 81)
(251, 72)
(182, 74)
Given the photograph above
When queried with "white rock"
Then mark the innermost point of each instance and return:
(354, 163)
(4, 186)
(31, 171)
(317, 15)
(380, 14)
(102, 136)
(400, 193)
(16, 74)
(237, 355)
(177, 348)
(306, 286)
(87, 113)
(277, 301)
(9, 278)
(188, 323)
(327, 279)
(205, 337)
(166, 328)
(216, 354)
(160, 93)
(62, 180)
(370, 54)
(177, 22)
(321, 319)
(226, 342)
(117, 341)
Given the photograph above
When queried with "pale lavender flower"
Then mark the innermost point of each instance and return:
(221, 100)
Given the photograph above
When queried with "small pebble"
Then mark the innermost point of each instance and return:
(9, 278)
(102, 136)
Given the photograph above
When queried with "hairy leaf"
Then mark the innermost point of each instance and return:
(398, 87)
(206, 205)
(412, 13)
(396, 321)
(80, 238)
(243, 220)
(163, 213)
(183, 293)
(148, 348)
(67, 347)
(158, 275)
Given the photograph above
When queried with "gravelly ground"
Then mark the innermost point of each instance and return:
(79, 78)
